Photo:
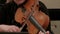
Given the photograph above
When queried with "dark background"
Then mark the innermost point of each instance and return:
(54, 14)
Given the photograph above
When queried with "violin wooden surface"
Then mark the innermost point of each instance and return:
(42, 18)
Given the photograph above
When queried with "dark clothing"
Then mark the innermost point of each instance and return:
(8, 11)
(7, 15)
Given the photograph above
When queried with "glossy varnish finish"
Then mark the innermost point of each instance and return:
(32, 6)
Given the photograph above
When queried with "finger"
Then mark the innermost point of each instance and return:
(15, 29)
(47, 32)
(10, 30)
(41, 32)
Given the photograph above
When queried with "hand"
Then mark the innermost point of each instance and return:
(9, 28)
(43, 33)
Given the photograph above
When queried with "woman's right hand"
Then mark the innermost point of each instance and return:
(9, 28)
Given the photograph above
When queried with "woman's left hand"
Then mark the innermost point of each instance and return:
(43, 33)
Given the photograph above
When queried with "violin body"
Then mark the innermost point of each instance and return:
(42, 18)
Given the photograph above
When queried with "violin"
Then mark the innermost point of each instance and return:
(32, 12)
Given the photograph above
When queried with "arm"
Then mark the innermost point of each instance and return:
(9, 28)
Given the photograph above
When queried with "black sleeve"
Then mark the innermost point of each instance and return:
(2, 15)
